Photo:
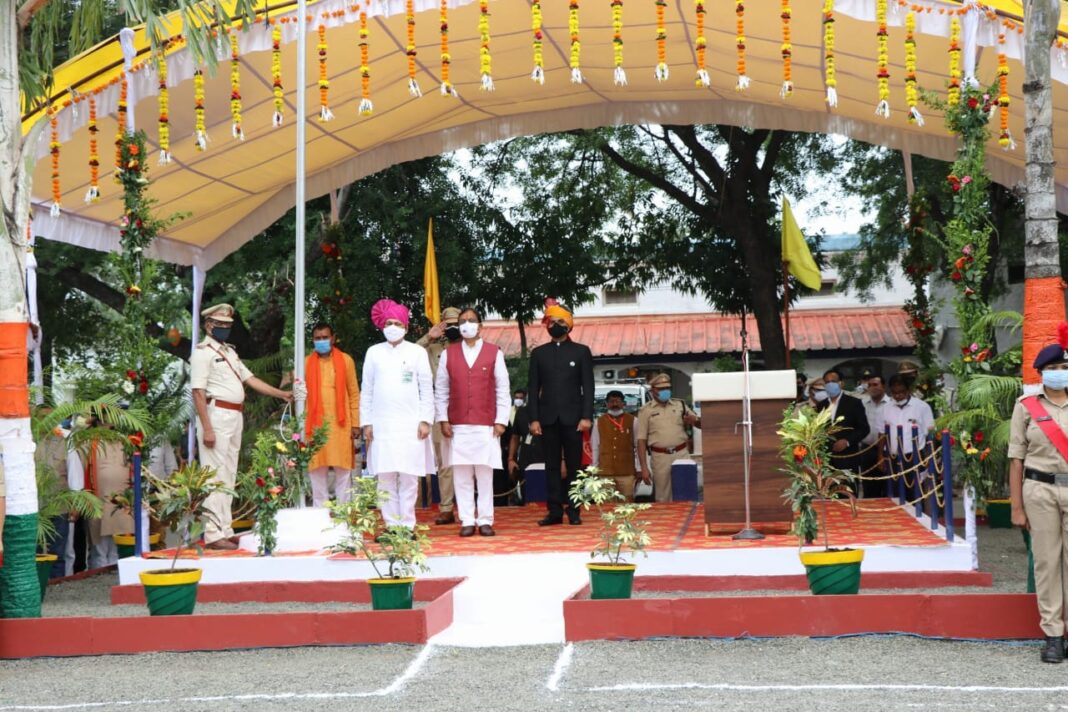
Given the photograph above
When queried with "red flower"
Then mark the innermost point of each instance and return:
(260, 482)
(978, 437)
(131, 375)
(972, 102)
(143, 388)
(952, 440)
(799, 453)
(956, 276)
(917, 324)
(984, 454)
(137, 439)
(961, 261)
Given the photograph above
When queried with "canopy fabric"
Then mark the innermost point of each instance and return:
(235, 188)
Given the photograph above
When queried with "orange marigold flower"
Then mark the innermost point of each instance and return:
(799, 453)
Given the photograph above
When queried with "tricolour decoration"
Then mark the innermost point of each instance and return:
(120, 125)
(739, 12)
(538, 75)
(912, 94)
(201, 131)
(447, 89)
(413, 85)
(93, 194)
(1004, 137)
(576, 47)
(619, 75)
(830, 73)
(703, 80)
(276, 75)
(953, 92)
(53, 148)
(787, 51)
(324, 82)
(235, 88)
(366, 107)
(661, 42)
(484, 45)
(163, 100)
(883, 59)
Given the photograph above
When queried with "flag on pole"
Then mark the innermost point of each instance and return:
(795, 253)
(432, 300)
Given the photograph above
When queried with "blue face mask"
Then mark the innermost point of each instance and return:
(1055, 380)
(834, 389)
(322, 346)
(663, 395)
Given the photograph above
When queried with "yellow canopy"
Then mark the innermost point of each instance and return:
(235, 188)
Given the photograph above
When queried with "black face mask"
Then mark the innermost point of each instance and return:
(558, 330)
(452, 333)
(220, 333)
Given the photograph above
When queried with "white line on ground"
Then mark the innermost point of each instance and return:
(563, 662)
(411, 671)
(642, 686)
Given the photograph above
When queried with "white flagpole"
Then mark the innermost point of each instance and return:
(298, 296)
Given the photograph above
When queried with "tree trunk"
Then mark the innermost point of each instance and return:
(1043, 294)
(750, 225)
(522, 336)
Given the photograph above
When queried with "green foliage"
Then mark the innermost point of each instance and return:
(620, 527)
(55, 500)
(403, 549)
(725, 363)
(178, 502)
(100, 419)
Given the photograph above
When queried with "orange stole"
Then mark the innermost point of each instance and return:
(315, 395)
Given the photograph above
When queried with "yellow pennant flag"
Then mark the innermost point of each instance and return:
(432, 300)
(795, 253)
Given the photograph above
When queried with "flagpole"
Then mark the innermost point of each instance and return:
(786, 305)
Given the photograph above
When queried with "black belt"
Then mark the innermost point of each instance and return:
(1046, 477)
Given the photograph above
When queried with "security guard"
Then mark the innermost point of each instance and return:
(435, 342)
(218, 380)
(662, 427)
(1038, 487)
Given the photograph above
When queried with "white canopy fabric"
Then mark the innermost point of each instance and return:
(235, 188)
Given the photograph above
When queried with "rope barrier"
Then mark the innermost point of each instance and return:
(892, 507)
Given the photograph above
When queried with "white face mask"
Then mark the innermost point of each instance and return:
(469, 330)
(393, 333)
(819, 396)
(902, 401)
(616, 412)
(517, 402)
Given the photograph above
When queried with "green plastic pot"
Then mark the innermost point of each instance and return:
(44, 570)
(999, 513)
(833, 572)
(391, 594)
(127, 544)
(611, 580)
(171, 592)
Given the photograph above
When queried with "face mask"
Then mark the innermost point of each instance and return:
(1055, 379)
(393, 333)
(819, 396)
(902, 402)
(663, 395)
(468, 330)
(220, 333)
(834, 389)
(452, 332)
(615, 412)
(558, 330)
(322, 346)
(517, 402)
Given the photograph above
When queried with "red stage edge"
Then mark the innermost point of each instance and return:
(67, 637)
(975, 616)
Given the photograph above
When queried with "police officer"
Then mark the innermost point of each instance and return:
(662, 427)
(435, 342)
(218, 380)
(1038, 487)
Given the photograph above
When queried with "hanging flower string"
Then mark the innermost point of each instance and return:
(276, 76)
(447, 89)
(538, 74)
(912, 94)
(703, 80)
(830, 73)
(787, 52)
(198, 110)
(953, 92)
(53, 147)
(120, 126)
(661, 42)
(619, 75)
(163, 100)
(366, 107)
(93, 194)
(324, 82)
(576, 48)
(484, 58)
(743, 78)
(413, 85)
(883, 53)
(235, 89)
(1005, 137)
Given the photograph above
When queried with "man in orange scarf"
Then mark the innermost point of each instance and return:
(334, 401)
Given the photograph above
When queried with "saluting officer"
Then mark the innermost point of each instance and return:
(1038, 487)
(218, 380)
(662, 427)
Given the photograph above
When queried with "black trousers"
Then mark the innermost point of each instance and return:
(556, 439)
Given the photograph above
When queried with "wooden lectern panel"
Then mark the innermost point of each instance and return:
(724, 476)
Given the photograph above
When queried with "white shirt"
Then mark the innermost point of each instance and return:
(161, 460)
(75, 471)
(914, 412)
(876, 412)
(473, 444)
(397, 394)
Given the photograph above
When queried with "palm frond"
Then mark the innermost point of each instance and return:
(986, 388)
(1012, 320)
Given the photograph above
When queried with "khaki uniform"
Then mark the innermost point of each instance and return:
(660, 426)
(52, 453)
(615, 451)
(216, 369)
(434, 349)
(109, 474)
(1047, 512)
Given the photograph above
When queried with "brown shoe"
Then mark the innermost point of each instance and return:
(221, 545)
(486, 530)
(445, 518)
(467, 531)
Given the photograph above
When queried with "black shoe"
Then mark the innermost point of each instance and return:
(550, 520)
(1054, 650)
(574, 519)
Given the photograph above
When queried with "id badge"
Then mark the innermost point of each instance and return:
(407, 376)
(529, 439)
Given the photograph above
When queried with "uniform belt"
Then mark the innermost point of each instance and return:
(669, 450)
(239, 407)
(1047, 477)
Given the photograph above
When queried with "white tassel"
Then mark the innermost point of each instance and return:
(164, 157)
(54, 212)
(538, 75)
(487, 82)
(237, 132)
(619, 77)
(787, 89)
(276, 120)
(413, 88)
(448, 90)
(366, 107)
(915, 116)
(92, 195)
(325, 114)
(832, 97)
(883, 109)
(1012, 143)
(743, 83)
(703, 79)
(576, 76)
(661, 72)
(202, 140)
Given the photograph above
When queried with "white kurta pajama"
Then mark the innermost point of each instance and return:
(397, 395)
(473, 451)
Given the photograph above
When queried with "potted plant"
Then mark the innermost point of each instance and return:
(54, 500)
(401, 548)
(126, 543)
(806, 436)
(178, 501)
(621, 532)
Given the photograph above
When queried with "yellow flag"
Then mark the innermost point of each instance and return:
(795, 252)
(432, 300)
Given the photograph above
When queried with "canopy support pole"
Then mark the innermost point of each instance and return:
(298, 280)
(194, 339)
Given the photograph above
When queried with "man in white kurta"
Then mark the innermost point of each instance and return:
(473, 408)
(397, 410)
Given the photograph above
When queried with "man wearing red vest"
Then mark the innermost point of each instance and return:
(472, 396)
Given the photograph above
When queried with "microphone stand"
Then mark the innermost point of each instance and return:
(748, 533)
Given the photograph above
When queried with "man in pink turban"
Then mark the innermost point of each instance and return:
(396, 411)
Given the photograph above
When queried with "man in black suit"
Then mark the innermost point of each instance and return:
(560, 406)
(852, 420)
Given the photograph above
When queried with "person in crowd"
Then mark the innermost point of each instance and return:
(161, 461)
(396, 411)
(662, 431)
(333, 401)
(851, 419)
(910, 372)
(1038, 488)
(615, 442)
(472, 397)
(561, 408)
(62, 463)
(875, 404)
(802, 388)
(503, 488)
(218, 379)
(107, 473)
(524, 448)
(435, 341)
(906, 411)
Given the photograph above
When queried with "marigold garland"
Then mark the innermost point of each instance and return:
(120, 125)
(743, 78)
(661, 42)
(576, 47)
(953, 92)
(366, 107)
(235, 89)
(619, 75)
(276, 76)
(701, 44)
(1005, 137)
(538, 75)
(413, 85)
(883, 58)
(163, 99)
(787, 51)
(198, 110)
(93, 194)
(324, 82)
(447, 89)
(829, 69)
(484, 45)
(53, 147)
(912, 94)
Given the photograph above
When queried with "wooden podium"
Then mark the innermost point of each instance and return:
(720, 396)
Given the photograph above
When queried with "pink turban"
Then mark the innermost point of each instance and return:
(385, 309)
